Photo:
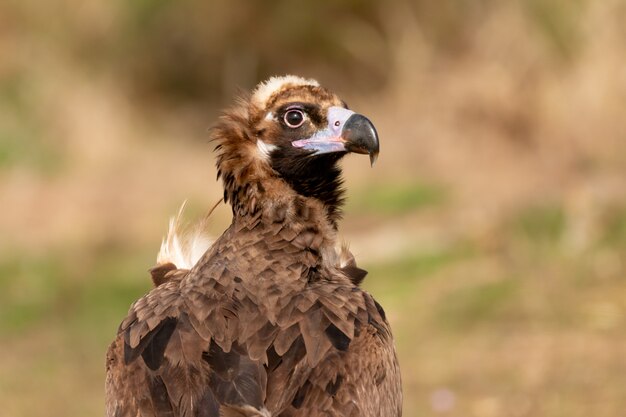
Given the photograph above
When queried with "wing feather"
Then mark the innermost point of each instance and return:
(305, 350)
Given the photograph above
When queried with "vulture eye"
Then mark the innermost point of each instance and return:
(294, 118)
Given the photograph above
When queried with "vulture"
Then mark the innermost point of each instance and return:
(270, 320)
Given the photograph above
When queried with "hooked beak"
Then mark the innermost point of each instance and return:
(347, 131)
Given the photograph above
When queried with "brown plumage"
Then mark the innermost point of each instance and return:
(270, 321)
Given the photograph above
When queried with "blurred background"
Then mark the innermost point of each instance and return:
(493, 225)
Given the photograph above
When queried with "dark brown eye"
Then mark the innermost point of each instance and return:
(294, 118)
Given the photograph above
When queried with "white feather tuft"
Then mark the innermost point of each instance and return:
(184, 245)
(265, 149)
(345, 256)
(268, 88)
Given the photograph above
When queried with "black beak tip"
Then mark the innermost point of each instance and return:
(373, 158)
(361, 136)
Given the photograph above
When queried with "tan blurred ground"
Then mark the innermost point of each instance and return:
(493, 225)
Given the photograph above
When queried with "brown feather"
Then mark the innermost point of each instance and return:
(270, 321)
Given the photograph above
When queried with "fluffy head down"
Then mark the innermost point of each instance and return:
(256, 160)
(265, 90)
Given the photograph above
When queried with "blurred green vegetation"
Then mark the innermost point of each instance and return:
(542, 223)
(21, 140)
(394, 199)
(558, 22)
(615, 232)
(193, 51)
(481, 305)
(77, 288)
(500, 266)
(476, 315)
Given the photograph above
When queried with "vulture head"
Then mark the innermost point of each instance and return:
(285, 141)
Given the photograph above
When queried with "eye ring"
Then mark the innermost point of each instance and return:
(294, 118)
